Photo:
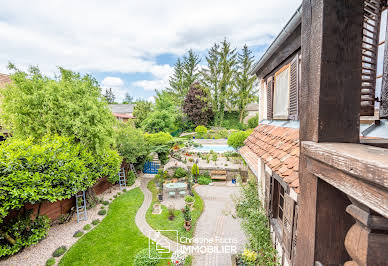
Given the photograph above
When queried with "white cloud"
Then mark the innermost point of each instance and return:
(126, 36)
(117, 86)
(161, 74)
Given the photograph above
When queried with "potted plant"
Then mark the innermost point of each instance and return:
(189, 201)
(187, 217)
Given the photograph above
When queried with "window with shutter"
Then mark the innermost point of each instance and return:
(370, 44)
(281, 91)
(293, 109)
(288, 223)
(269, 98)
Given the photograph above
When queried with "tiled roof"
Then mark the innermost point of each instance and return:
(121, 108)
(123, 115)
(4, 79)
(278, 147)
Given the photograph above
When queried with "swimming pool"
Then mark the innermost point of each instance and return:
(215, 148)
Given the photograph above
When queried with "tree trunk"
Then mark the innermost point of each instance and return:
(8, 238)
(241, 115)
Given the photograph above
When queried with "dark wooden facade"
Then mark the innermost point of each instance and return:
(343, 208)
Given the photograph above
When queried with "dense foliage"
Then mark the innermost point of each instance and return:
(159, 121)
(201, 131)
(160, 138)
(70, 105)
(236, 139)
(141, 111)
(146, 257)
(255, 224)
(22, 232)
(131, 143)
(196, 106)
(253, 121)
(51, 169)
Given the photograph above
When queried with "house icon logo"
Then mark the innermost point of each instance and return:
(159, 243)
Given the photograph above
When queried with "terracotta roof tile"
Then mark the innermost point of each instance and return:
(278, 147)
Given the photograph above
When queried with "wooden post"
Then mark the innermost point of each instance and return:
(329, 112)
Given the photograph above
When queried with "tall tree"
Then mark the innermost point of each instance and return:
(190, 69)
(211, 77)
(128, 99)
(245, 90)
(141, 111)
(176, 80)
(186, 72)
(227, 65)
(109, 96)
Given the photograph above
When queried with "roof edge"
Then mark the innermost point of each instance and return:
(287, 30)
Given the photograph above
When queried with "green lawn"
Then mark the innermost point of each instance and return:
(161, 221)
(116, 240)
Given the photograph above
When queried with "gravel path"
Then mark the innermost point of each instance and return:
(142, 224)
(216, 222)
(58, 235)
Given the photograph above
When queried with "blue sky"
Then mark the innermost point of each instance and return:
(131, 46)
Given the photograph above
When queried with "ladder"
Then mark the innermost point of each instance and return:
(80, 204)
(133, 169)
(122, 180)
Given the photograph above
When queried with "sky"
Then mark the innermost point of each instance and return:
(131, 46)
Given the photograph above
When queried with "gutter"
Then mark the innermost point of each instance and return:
(287, 30)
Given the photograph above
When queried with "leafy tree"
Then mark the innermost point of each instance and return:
(196, 106)
(128, 99)
(109, 96)
(165, 101)
(69, 105)
(159, 121)
(245, 91)
(186, 72)
(141, 111)
(131, 144)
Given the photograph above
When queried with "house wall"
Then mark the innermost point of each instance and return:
(262, 101)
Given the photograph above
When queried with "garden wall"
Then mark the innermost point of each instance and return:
(54, 210)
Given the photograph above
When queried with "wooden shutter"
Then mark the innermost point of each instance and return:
(288, 223)
(370, 39)
(294, 235)
(293, 109)
(269, 98)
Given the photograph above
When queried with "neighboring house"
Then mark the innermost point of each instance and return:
(252, 110)
(4, 80)
(272, 151)
(122, 112)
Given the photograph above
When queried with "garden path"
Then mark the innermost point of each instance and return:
(217, 223)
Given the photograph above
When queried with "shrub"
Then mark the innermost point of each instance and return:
(22, 232)
(95, 222)
(253, 121)
(101, 212)
(51, 169)
(236, 139)
(201, 131)
(124, 190)
(78, 233)
(158, 139)
(146, 257)
(105, 202)
(204, 180)
(59, 251)
(50, 262)
(87, 227)
(178, 258)
(189, 198)
(196, 105)
(255, 223)
(130, 178)
(180, 172)
(159, 121)
(186, 213)
(102, 207)
(195, 170)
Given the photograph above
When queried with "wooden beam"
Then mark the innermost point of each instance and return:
(361, 161)
(330, 88)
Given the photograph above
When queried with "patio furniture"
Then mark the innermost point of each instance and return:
(182, 193)
(171, 194)
(220, 175)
